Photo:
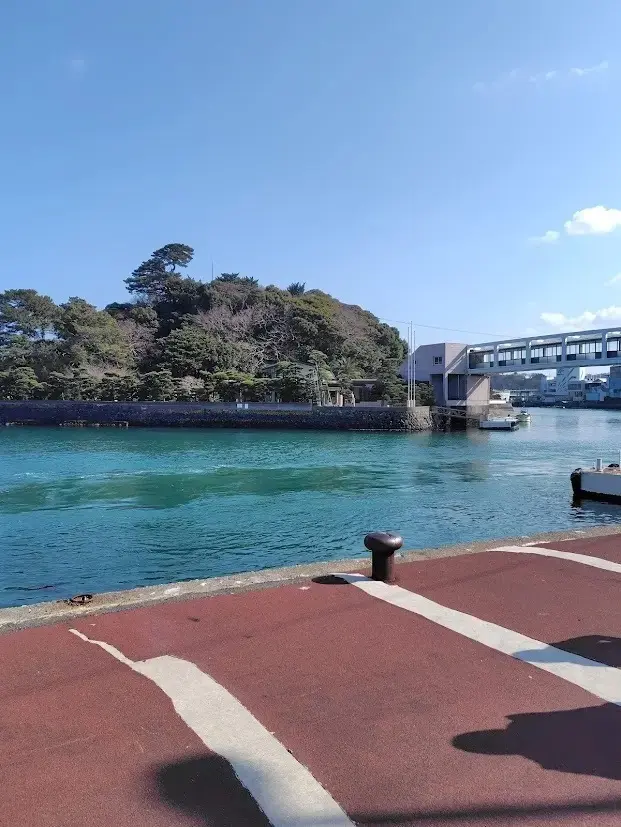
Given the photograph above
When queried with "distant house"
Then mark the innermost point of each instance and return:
(329, 388)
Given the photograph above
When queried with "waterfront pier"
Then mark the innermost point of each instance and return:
(481, 689)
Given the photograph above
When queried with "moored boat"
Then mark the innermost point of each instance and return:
(523, 418)
(598, 483)
(505, 423)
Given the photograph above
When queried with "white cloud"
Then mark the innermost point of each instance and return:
(549, 237)
(519, 76)
(614, 280)
(585, 321)
(542, 77)
(588, 70)
(593, 221)
(597, 220)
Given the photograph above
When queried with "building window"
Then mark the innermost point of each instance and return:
(542, 354)
(584, 350)
(512, 356)
(613, 348)
(457, 386)
(437, 360)
(481, 359)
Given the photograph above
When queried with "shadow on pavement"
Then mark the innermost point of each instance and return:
(585, 741)
(602, 649)
(207, 788)
(563, 813)
(329, 580)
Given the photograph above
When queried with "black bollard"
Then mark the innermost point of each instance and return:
(382, 545)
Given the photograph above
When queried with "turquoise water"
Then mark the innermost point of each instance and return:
(96, 509)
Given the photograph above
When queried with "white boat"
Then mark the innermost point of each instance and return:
(523, 418)
(598, 483)
(505, 423)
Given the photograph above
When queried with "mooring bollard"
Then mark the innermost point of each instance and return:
(382, 545)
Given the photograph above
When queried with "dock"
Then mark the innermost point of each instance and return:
(480, 689)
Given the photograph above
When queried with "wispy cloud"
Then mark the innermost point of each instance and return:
(589, 70)
(614, 280)
(543, 77)
(549, 237)
(584, 321)
(518, 77)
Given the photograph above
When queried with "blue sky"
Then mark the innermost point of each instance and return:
(406, 156)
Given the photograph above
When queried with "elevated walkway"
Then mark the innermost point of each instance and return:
(581, 348)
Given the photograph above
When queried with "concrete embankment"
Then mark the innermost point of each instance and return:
(43, 614)
(204, 415)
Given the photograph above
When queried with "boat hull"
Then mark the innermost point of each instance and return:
(596, 485)
(498, 424)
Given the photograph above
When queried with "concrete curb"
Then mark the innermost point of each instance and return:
(43, 614)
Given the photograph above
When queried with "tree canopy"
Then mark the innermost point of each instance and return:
(181, 337)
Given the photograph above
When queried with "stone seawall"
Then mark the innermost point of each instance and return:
(203, 415)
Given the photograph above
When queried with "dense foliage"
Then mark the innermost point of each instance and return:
(181, 338)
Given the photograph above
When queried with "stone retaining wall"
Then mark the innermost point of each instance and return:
(203, 415)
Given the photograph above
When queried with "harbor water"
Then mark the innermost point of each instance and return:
(91, 510)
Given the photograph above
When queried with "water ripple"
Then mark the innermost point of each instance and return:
(87, 510)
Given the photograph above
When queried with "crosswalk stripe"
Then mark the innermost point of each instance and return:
(282, 787)
(601, 681)
(585, 559)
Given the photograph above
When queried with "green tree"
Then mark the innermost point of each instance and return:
(129, 388)
(188, 351)
(75, 384)
(235, 386)
(149, 278)
(424, 394)
(116, 388)
(173, 256)
(227, 385)
(389, 386)
(19, 383)
(158, 386)
(17, 350)
(194, 330)
(28, 313)
(207, 392)
(90, 336)
(189, 389)
(295, 385)
(58, 385)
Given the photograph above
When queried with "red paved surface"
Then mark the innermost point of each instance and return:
(391, 713)
(607, 547)
(85, 740)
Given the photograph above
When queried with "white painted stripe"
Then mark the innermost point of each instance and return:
(111, 650)
(284, 789)
(602, 681)
(585, 559)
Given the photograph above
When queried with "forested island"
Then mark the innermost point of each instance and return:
(180, 338)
